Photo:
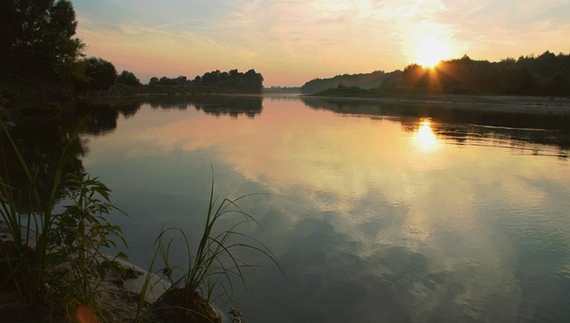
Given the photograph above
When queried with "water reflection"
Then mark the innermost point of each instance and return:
(530, 132)
(425, 137)
(377, 213)
(219, 105)
(45, 139)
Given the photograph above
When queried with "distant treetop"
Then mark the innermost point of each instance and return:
(547, 74)
(232, 81)
(37, 36)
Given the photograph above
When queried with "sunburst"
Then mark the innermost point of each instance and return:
(431, 50)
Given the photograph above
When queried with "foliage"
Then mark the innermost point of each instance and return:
(56, 259)
(128, 78)
(344, 91)
(232, 81)
(180, 81)
(365, 81)
(282, 89)
(99, 74)
(80, 234)
(38, 36)
(22, 219)
(547, 74)
(42, 135)
(213, 265)
(58, 262)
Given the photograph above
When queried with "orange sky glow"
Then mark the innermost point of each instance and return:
(291, 42)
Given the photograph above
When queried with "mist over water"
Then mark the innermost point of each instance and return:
(376, 212)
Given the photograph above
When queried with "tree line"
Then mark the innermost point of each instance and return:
(363, 80)
(38, 36)
(232, 81)
(37, 39)
(547, 74)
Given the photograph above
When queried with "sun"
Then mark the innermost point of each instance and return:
(431, 50)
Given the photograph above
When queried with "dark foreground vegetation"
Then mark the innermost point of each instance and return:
(57, 264)
(544, 75)
(53, 264)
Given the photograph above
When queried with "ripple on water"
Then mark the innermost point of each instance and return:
(545, 298)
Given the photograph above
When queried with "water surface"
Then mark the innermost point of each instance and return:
(376, 212)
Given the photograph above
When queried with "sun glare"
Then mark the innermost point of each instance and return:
(430, 51)
(425, 136)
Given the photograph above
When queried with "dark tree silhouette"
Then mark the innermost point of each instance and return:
(365, 81)
(128, 78)
(99, 75)
(38, 36)
(547, 74)
(232, 81)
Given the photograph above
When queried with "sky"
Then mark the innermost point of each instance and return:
(291, 42)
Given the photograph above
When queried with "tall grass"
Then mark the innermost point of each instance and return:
(29, 226)
(56, 258)
(81, 233)
(211, 267)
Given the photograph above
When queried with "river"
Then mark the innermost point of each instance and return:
(375, 212)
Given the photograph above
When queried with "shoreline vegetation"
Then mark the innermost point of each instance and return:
(534, 84)
(52, 267)
(488, 103)
(544, 75)
(41, 96)
(16, 90)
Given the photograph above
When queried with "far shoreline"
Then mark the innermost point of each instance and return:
(488, 103)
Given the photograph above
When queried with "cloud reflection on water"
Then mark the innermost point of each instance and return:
(358, 209)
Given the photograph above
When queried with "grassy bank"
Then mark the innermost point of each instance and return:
(54, 266)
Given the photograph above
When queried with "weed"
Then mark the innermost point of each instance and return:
(60, 256)
(211, 267)
(82, 233)
(56, 258)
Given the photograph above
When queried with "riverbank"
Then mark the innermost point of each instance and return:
(40, 91)
(17, 91)
(118, 300)
(490, 103)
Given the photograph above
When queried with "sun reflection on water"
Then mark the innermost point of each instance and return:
(425, 137)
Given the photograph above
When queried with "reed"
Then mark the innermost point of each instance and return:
(211, 267)
(29, 225)
(56, 260)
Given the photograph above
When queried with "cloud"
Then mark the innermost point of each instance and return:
(293, 39)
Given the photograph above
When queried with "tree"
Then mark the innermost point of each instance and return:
(231, 82)
(255, 81)
(38, 36)
(153, 80)
(128, 78)
(99, 75)
(415, 75)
